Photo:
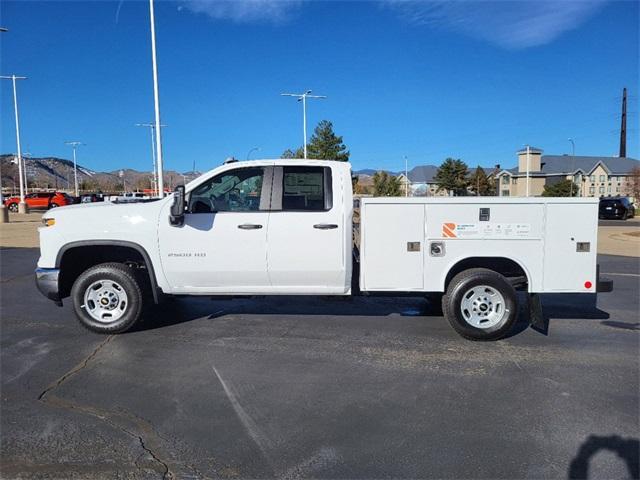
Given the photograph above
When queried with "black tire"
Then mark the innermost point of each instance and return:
(461, 285)
(125, 278)
(53, 205)
(13, 207)
(625, 215)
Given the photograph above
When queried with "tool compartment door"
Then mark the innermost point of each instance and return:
(567, 265)
(392, 247)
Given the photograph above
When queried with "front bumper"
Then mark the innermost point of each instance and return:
(47, 283)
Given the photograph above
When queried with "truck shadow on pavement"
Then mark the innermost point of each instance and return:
(184, 309)
(627, 449)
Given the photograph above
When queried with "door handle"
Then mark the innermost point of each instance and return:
(249, 226)
(325, 226)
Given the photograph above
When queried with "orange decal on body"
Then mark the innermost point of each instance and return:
(448, 230)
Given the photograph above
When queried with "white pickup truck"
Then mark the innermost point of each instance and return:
(286, 227)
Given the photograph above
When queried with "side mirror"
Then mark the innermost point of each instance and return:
(176, 218)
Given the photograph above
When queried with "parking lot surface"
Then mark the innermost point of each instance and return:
(324, 388)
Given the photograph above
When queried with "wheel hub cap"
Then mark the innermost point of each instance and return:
(483, 307)
(105, 301)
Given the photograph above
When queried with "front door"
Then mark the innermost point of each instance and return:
(222, 246)
(307, 242)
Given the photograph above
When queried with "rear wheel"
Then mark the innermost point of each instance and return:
(13, 207)
(53, 205)
(107, 298)
(480, 304)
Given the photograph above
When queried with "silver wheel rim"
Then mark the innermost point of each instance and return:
(483, 307)
(13, 207)
(105, 301)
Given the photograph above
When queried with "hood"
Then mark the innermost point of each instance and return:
(107, 217)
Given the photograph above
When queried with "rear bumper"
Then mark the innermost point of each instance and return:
(603, 285)
(47, 283)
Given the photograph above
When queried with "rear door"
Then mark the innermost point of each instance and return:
(306, 237)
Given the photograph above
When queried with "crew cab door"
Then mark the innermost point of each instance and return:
(306, 238)
(222, 245)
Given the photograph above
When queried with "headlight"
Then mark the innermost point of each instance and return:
(48, 222)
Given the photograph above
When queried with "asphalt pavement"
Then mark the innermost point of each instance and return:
(299, 387)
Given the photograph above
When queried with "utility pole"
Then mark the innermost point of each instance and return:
(623, 125)
(156, 100)
(22, 206)
(302, 97)
(74, 145)
(573, 164)
(152, 127)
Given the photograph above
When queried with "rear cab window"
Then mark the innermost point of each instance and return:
(305, 189)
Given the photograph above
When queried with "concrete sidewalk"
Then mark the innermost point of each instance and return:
(21, 231)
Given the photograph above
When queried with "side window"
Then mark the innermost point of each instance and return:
(232, 191)
(306, 188)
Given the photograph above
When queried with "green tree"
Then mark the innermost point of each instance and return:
(288, 153)
(326, 145)
(385, 185)
(564, 188)
(452, 176)
(480, 184)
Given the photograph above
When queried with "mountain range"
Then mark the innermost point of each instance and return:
(57, 173)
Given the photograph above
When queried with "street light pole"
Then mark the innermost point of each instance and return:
(254, 149)
(302, 97)
(573, 164)
(406, 177)
(152, 127)
(156, 100)
(22, 206)
(74, 145)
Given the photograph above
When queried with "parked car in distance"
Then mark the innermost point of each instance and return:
(129, 197)
(91, 198)
(619, 208)
(40, 200)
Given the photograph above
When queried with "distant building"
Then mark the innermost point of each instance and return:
(595, 176)
(422, 182)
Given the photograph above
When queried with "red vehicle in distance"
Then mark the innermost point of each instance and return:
(40, 201)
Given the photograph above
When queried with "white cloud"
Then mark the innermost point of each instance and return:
(245, 11)
(510, 24)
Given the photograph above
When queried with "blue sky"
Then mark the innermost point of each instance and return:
(468, 79)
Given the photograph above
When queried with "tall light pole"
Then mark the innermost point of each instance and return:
(74, 145)
(302, 97)
(573, 163)
(152, 128)
(22, 206)
(156, 99)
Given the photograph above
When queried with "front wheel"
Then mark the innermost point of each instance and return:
(13, 207)
(107, 298)
(53, 205)
(480, 304)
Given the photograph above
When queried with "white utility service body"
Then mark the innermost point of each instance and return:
(287, 227)
(540, 234)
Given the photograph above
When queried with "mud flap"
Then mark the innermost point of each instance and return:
(539, 322)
